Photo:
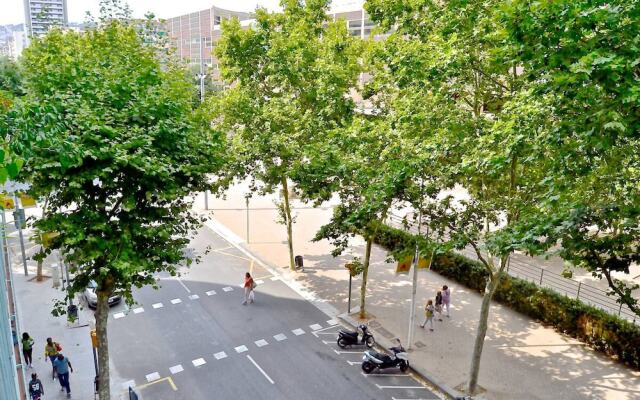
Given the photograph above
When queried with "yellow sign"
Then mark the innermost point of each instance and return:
(94, 339)
(48, 237)
(6, 202)
(27, 201)
(404, 265)
(423, 263)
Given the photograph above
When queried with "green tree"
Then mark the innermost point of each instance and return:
(289, 78)
(112, 140)
(582, 60)
(475, 119)
(10, 77)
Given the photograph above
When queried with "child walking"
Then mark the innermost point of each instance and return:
(428, 315)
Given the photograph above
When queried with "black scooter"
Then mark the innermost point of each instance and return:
(350, 338)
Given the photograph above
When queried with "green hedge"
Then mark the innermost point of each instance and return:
(602, 331)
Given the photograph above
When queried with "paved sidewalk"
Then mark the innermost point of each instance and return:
(521, 360)
(35, 301)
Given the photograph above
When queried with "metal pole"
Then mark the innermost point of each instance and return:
(5, 242)
(18, 221)
(578, 294)
(349, 302)
(414, 287)
(247, 203)
(541, 275)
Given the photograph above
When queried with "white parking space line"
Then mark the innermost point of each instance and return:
(227, 289)
(129, 384)
(396, 398)
(211, 292)
(298, 332)
(324, 333)
(183, 285)
(348, 352)
(176, 301)
(332, 322)
(198, 362)
(138, 310)
(260, 369)
(354, 362)
(280, 337)
(382, 375)
(261, 343)
(241, 349)
(315, 327)
(220, 355)
(118, 315)
(175, 369)
(158, 305)
(400, 387)
(194, 297)
(154, 376)
(328, 341)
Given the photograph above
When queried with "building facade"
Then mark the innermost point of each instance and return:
(41, 15)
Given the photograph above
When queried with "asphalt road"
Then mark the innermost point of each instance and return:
(193, 339)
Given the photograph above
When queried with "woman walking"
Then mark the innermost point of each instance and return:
(428, 315)
(27, 349)
(438, 306)
(51, 351)
(249, 285)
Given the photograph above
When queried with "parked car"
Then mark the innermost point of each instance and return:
(92, 299)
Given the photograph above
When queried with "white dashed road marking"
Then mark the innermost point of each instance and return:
(176, 301)
(275, 278)
(298, 332)
(241, 349)
(354, 362)
(261, 343)
(227, 289)
(118, 315)
(280, 337)
(158, 305)
(176, 368)
(220, 355)
(211, 292)
(332, 322)
(260, 369)
(129, 384)
(315, 327)
(198, 362)
(259, 282)
(154, 376)
(194, 297)
(347, 352)
(138, 310)
(400, 387)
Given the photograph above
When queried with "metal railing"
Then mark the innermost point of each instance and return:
(523, 267)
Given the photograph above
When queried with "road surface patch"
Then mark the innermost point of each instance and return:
(261, 343)
(176, 368)
(198, 362)
(158, 305)
(220, 355)
(176, 301)
(154, 376)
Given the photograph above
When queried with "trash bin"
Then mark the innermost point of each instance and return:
(298, 261)
(72, 312)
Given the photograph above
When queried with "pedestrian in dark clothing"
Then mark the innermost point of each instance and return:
(36, 390)
(439, 305)
(62, 366)
(27, 349)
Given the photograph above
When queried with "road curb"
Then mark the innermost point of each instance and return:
(420, 371)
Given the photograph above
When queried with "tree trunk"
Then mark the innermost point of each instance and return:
(492, 285)
(288, 221)
(102, 316)
(365, 272)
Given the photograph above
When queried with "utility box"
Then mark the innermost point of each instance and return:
(298, 261)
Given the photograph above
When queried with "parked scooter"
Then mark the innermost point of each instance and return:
(351, 338)
(372, 360)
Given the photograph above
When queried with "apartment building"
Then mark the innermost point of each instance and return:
(41, 15)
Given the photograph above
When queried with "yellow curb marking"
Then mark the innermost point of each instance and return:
(168, 379)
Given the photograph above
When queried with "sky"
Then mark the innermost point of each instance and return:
(13, 10)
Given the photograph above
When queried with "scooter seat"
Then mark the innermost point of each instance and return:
(349, 333)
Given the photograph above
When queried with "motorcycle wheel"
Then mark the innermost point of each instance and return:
(404, 366)
(342, 343)
(370, 342)
(368, 367)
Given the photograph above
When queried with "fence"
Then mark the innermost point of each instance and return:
(523, 267)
